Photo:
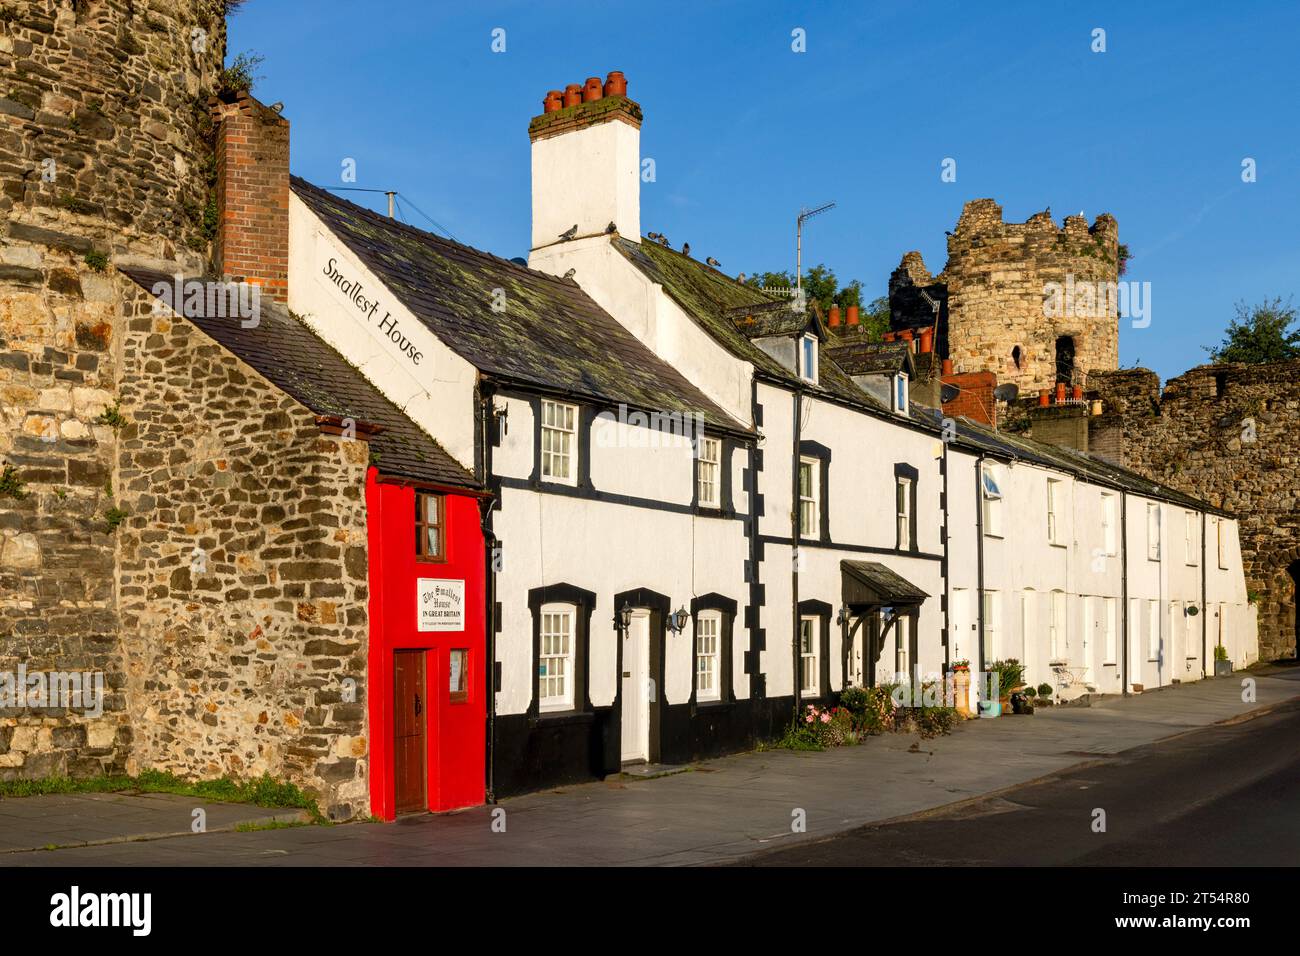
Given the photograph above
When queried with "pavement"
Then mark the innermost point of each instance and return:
(88, 819)
(721, 811)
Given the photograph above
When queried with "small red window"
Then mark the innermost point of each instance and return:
(430, 530)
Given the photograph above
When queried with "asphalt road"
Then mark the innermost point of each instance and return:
(1227, 795)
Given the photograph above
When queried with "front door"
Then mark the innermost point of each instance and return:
(636, 689)
(410, 723)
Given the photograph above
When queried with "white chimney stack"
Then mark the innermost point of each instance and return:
(586, 162)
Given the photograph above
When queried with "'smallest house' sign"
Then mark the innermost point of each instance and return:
(440, 605)
(356, 293)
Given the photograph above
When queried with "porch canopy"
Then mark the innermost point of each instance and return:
(869, 584)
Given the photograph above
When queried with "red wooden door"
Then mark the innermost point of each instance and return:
(410, 723)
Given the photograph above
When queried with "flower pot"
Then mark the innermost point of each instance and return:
(1223, 668)
(990, 708)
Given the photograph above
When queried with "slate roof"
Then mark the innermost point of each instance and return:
(871, 358)
(979, 437)
(291, 356)
(711, 299)
(551, 336)
(774, 318)
(886, 584)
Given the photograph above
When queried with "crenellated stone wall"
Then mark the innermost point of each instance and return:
(103, 157)
(1225, 433)
(991, 296)
(243, 570)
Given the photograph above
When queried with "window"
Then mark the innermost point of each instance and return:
(458, 674)
(808, 358)
(1108, 522)
(1153, 532)
(558, 426)
(707, 476)
(900, 393)
(1056, 625)
(902, 645)
(992, 500)
(1055, 511)
(993, 624)
(1153, 630)
(708, 636)
(1108, 622)
(808, 672)
(555, 661)
(1221, 530)
(1190, 545)
(809, 498)
(903, 506)
(430, 537)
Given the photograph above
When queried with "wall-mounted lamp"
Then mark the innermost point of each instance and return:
(677, 620)
(623, 618)
(843, 614)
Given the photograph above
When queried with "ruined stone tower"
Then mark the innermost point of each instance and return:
(995, 309)
(105, 160)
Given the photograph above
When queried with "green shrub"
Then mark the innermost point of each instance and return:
(1044, 690)
(1220, 652)
(96, 260)
(935, 721)
(11, 486)
(1031, 691)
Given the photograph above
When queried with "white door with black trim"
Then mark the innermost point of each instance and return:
(636, 689)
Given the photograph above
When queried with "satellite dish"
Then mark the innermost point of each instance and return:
(519, 261)
(948, 392)
(1007, 393)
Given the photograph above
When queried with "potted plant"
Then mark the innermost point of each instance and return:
(1011, 677)
(1044, 697)
(1222, 666)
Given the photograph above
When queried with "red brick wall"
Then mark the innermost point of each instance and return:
(253, 194)
(975, 400)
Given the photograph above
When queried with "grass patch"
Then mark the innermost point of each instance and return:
(252, 826)
(262, 792)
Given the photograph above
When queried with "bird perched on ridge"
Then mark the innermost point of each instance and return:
(611, 228)
(570, 232)
(686, 248)
(571, 273)
(713, 262)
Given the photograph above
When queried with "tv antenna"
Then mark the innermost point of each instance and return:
(804, 214)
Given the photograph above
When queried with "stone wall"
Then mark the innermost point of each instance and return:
(102, 157)
(991, 292)
(243, 571)
(1225, 433)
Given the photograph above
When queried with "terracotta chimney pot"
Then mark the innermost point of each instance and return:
(1076, 393)
(1060, 393)
(615, 84)
(1043, 398)
(835, 316)
(890, 336)
(927, 340)
(947, 367)
(572, 94)
(553, 101)
(853, 315)
(592, 90)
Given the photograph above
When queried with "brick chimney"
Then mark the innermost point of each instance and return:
(586, 162)
(975, 398)
(252, 194)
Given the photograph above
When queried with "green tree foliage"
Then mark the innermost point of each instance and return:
(1260, 333)
(819, 284)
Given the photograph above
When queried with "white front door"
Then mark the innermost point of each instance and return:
(854, 677)
(961, 643)
(636, 688)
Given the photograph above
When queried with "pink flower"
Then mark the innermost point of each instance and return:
(826, 718)
(808, 719)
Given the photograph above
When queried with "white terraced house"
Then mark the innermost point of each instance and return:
(710, 508)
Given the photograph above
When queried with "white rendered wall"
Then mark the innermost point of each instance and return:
(588, 178)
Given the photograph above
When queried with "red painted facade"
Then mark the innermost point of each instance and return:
(456, 746)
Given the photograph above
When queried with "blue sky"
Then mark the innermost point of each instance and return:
(744, 131)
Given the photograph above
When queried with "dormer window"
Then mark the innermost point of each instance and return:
(808, 358)
(900, 395)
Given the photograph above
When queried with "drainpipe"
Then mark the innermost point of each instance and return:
(947, 567)
(490, 585)
(1205, 607)
(794, 568)
(979, 554)
(1123, 592)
